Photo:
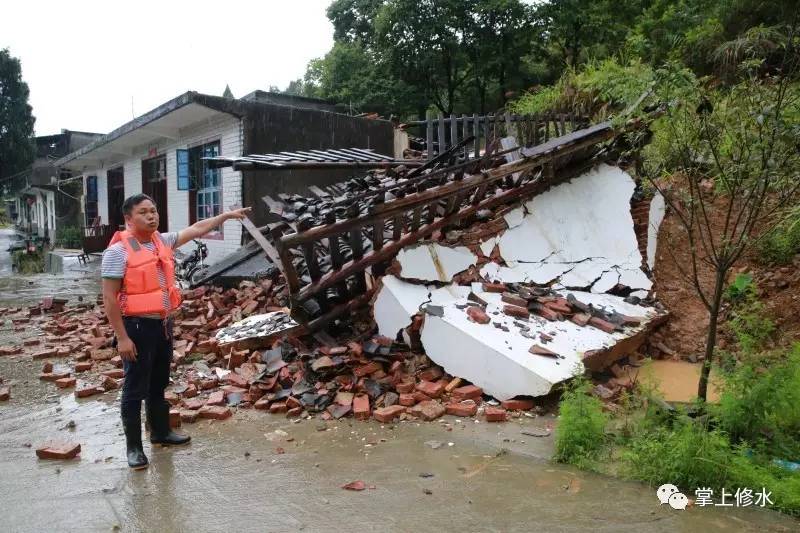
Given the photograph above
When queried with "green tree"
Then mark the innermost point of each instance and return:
(353, 20)
(500, 33)
(17, 148)
(733, 152)
(577, 30)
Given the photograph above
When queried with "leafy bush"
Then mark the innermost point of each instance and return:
(782, 243)
(28, 263)
(70, 237)
(760, 405)
(741, 288)
(751, 326)
(600, 89)
(749, 321)
(736, 445)
(581, 428)
(687, 455)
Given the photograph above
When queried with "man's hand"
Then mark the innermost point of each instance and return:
(238, 214)
(126, 349)
(200, 228)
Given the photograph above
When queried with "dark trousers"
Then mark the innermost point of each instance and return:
(148, 376)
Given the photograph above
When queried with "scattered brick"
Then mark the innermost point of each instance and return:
(215, 412)
(65, 383)
(47, 368)
(581, 318)
(367, 369)
(54, 376)
(278, 407)
(355, 485)
(85, 390)
(429, 388)
(189, 416)
(494, 287)
(495, 414)
(465, 408)
(174, 418)
(387, 414)
(110, 383)
(361, 408)
(58, 450)
(5, 394)
(194, 404)
(405, 387)
(517, 405)
(514, 299)
(83, 367)
(537, 349)
(548, 313)
(476, 314)
(407, 400)
(603, 325)
(294, 412)
(515, 311)
(10, 350)
(559, 306)
(45, 353)
(236, 380)
(467, 392)
(430, 410)
(216, 398)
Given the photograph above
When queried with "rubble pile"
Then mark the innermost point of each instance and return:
(239, 348)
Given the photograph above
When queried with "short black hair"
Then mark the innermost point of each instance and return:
(132, 201)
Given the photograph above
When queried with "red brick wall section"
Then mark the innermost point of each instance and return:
(640, 211)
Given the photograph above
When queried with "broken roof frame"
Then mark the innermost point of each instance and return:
(333, 158)
(418, 215)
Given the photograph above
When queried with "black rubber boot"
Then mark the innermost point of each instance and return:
(132, 424)
(160, 432)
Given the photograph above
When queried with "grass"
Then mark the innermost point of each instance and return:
(736, 444)
(581, 427)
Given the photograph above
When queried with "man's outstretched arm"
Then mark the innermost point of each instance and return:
(200, 228)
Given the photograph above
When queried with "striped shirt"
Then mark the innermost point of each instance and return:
(115, 263)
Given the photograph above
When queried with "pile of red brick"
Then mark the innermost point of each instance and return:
(373, 378)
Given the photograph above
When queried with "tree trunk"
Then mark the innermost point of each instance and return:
(711, 339)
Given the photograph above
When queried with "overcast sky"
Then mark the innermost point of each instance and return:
(84, 60)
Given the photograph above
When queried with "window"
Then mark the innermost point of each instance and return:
(205, 200)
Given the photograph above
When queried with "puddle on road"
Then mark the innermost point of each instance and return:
(80, 281)
(677, 380)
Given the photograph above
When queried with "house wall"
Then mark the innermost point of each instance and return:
(224, 128)
(269, 129)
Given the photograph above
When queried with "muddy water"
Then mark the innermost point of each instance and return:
(676, 380)
(15, 290)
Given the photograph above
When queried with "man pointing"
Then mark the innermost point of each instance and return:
(140, 295)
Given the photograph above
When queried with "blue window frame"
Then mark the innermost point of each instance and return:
(184, 177)
(209, 187)
(205, 194)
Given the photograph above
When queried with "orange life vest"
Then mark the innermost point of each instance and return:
(143, 292)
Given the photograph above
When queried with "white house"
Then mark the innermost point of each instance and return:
(160, 153)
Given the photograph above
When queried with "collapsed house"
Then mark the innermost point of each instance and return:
(417, 290)
(513, 270)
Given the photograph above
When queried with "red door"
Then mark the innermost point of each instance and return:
(154, 185)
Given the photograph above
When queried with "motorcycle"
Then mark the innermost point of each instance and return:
(190, 268)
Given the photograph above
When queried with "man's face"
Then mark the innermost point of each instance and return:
(143, 218)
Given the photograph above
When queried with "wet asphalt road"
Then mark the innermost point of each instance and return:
(259, 472)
